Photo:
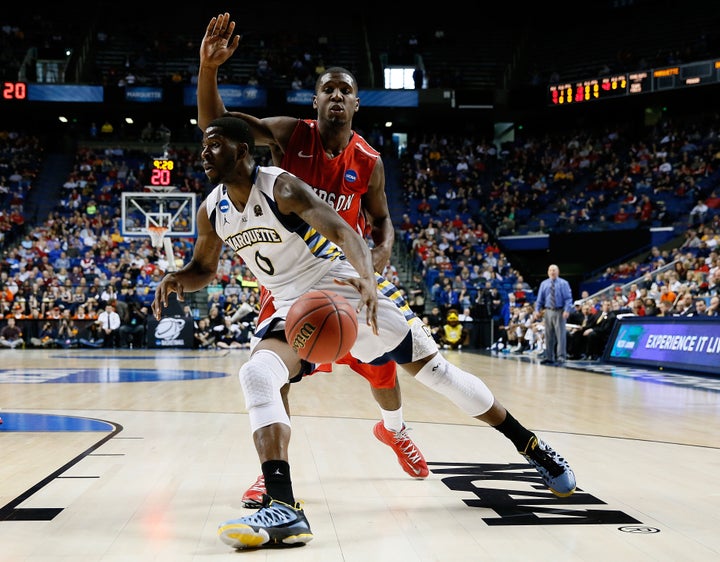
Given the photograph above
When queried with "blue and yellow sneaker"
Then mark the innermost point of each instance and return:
(554, 469)
(275, 523)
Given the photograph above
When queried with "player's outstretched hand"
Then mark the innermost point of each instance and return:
(218, 44)
(368, 297)
(169, 284)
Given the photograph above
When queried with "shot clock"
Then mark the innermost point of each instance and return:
(14, 91)
(162, 172)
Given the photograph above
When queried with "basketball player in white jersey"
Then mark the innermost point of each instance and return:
(333, 158)
(293, 242)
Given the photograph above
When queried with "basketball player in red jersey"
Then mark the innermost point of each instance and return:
(345, 171)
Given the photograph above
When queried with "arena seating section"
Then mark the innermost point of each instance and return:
(458, 185)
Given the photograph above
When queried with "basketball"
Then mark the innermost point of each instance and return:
(321, 326)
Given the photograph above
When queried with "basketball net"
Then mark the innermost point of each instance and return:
(157, 233)
(158, 239)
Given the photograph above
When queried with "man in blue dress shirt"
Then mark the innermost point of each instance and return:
(554, 303)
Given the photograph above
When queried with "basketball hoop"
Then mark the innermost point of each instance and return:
(157, 233)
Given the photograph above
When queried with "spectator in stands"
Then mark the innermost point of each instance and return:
(416, 294)
(577, 324)
(714, 308)
(66, 335)
(391, 273)
(134, 324)
(698, 214)
(713, 282)
(692, 239)
(66, 294)
(229, 336)
(520, 292)
(448, 297)
(18, 311)
(231, 303)
(701, 307)
(215, 317)
(109, 322)
(436, 318)
(665, 309)
(91, 336)
(621, 216)
(598, 331)
(62, 262)
(535, 335)
(81, 313)
(203, 337)
(637, 307)
(11, 336)
(651, 308)
(524, 332)
(668, 295)
(6, 300)
(424, 207)
(47, 335)
(55, 313)
(514, 330)
(685, 305)
(232, 287)
(466, 317)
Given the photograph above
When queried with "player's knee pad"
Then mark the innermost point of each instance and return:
(261, 379)
(464, 389)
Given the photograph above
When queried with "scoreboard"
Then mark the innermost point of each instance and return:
(162, 173)
(632, 83)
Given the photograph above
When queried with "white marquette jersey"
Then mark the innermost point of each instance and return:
(287, 255)
(289, 258)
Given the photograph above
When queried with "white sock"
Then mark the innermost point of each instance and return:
(392, 419)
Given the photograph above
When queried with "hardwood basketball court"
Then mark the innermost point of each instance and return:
(134, 455)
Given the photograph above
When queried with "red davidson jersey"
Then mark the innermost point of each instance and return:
(342, 180)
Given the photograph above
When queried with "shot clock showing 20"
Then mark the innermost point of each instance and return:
(161, 172)
(14, 91)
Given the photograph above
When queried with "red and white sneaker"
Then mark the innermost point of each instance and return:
(409, 456)
(253, 497)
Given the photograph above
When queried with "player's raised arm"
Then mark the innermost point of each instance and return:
(218, 45)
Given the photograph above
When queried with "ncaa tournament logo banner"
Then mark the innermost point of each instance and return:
(170, 332)
(173, 330)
